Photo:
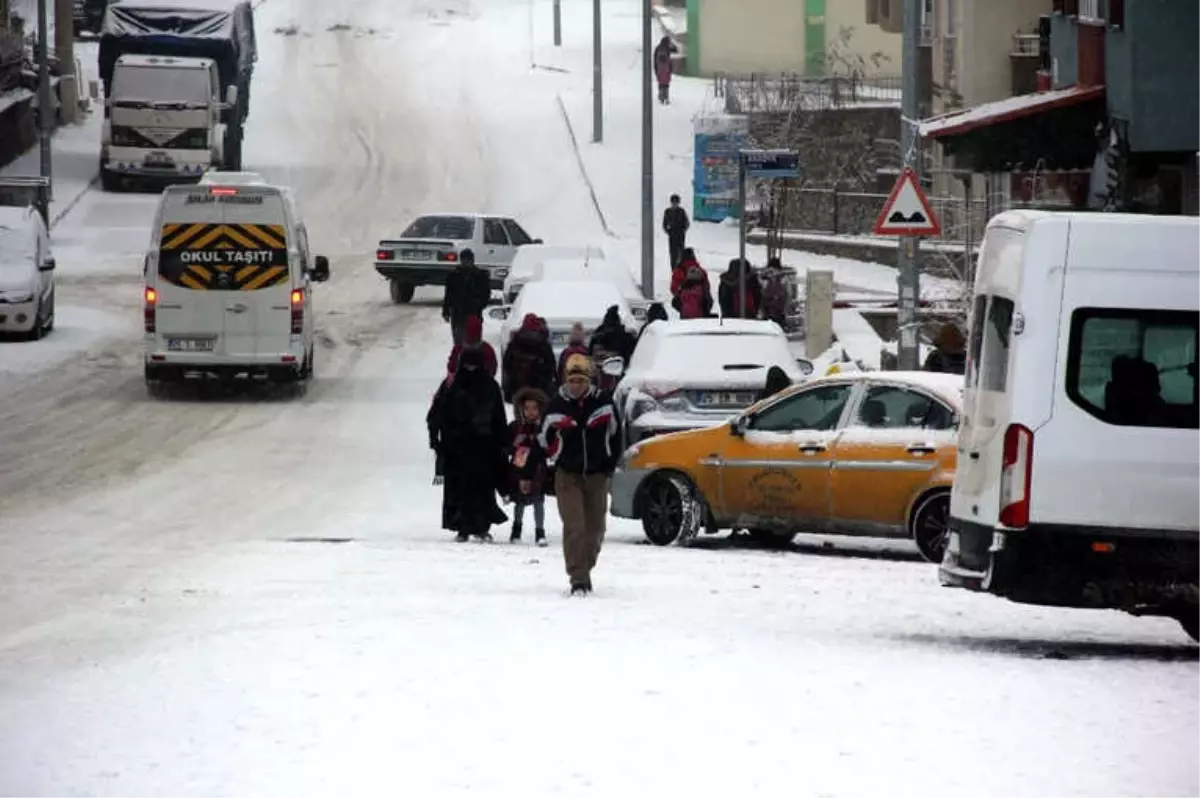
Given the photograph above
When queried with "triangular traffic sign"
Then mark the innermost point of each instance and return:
(907, 211)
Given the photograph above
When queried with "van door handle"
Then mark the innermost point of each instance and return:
(238, 308)
(920, 448)
(974, 455)
(812, 448)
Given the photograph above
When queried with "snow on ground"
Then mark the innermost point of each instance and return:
(251, 594)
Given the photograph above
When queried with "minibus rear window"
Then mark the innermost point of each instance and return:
(975, 344)
(996, 335)
(1135, 368)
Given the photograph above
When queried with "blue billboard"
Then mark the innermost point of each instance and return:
(715, 184)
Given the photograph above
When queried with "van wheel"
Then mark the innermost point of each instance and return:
(1189, 619)
(772, 538)
(931, 526)
(402, 293)
(109, 181)
(669, 510)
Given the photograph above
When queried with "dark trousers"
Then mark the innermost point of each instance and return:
(675, 245)
(664, 93)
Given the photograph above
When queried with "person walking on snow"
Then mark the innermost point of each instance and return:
(468, 289)
(469, 432)
(527, 463)
(734, 306)
(687, 259)
(581, 436)
(529, 360)
(775, 294)
(675, 224)
(612, 335)
(473, 337)
(577, 344)
(662, 68)
(695, 295)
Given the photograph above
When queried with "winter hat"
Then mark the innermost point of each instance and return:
(530, 393)
(579, 365)
(474, 329)
(529, 323)
(466, 256)
(578, 333)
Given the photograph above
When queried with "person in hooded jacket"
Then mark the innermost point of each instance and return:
(694, 300)
(656, 312)
(577, 344)
(950, 354)
(679, 272)
(471, 438)
(473, 337)
(777, 380)
(612, 335)
(468, 289)
(776, 295)
(529, 359)
(729, 289)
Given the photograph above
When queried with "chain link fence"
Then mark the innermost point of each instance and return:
(761, 92)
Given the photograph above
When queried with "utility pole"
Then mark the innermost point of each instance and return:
(64, 51)
(908, 278)
(45, 99)
(647, 156)
(558, 23)
(597, 77)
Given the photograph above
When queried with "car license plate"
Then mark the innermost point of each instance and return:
(417, 254)
(159, 159)
(725, 398)
(189, 344)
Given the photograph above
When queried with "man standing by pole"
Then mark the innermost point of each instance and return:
(908, 275)
(647, 153)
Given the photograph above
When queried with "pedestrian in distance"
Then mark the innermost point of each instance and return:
(776, 295)
(735, 304)
(581, 436)
(468, 289)
(694, 300)
(687, 259)
(529, 360)
(675, 224)
(471, 436)
(656, 312)
(612, 335)
(577, 344)
(950, 353)
(473, 338)
(527, 463)
(662, 68)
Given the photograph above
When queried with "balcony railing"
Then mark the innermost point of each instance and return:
(1026, 44)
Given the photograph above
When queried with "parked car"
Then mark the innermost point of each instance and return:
(428, 249)
(527, 264)
(1081, 422)
(535, 263)
(26, 274)
(867, 453)
(561, 303)
(698, 373)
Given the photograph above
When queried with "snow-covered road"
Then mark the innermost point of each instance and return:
(251, 594)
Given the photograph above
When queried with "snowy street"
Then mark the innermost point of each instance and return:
(252, 594)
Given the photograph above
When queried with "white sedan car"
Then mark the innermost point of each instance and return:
(697, 373)
(26, 274)
(540, 262)
(562, 303)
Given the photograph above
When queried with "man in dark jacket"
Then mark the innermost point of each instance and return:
(581, 436)
(612, 335)
(529, 360)
(728, 291)
(675, 224)
(468, 289)
(657, 312)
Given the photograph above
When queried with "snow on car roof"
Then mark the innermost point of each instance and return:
(582, 300)
(710, 326)
(947, 386)
(689, 351)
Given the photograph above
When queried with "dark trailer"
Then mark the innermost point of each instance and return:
(222, 30)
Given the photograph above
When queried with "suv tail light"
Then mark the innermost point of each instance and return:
(448, 256)
(383, 254)
(297, 311)
(149, 309)
(1016, 476)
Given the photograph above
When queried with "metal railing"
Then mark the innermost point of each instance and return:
(1026, 44)
(765, 92)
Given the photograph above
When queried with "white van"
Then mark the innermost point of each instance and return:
(1079, 448)
(228, 291)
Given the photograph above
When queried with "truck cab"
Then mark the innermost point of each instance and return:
(165, 120)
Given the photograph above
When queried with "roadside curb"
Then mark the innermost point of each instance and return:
(562, 107)
(70, 206)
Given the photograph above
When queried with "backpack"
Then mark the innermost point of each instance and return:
(775, 298)
(691, 301)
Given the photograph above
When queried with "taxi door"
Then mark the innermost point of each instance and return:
(894, 447)
(778, 466)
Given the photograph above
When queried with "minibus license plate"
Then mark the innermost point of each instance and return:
(189, 344)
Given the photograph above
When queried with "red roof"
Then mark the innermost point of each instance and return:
(956, 123)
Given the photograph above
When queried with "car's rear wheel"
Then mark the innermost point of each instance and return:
(930, 526)
(668, 510)
(773, 538)
(402, 292)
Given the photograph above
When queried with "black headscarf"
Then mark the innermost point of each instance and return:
(471, 373)
(777, 380)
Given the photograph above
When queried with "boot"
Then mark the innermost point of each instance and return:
(539, 537)
(515, 537)
(462, 537)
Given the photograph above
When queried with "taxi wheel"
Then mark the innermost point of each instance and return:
(664, 509)
(930, 526)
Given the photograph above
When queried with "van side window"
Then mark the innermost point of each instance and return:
(978, 314)
(1135, 368)
(996, 334)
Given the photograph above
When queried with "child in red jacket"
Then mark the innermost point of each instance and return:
(527, 463)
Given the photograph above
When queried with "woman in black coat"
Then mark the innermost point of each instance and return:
(472, 432)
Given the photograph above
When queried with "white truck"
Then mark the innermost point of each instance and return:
(164, 120)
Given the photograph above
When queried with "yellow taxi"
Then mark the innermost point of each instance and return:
(859, 453)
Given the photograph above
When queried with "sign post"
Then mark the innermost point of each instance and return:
(761, 165)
